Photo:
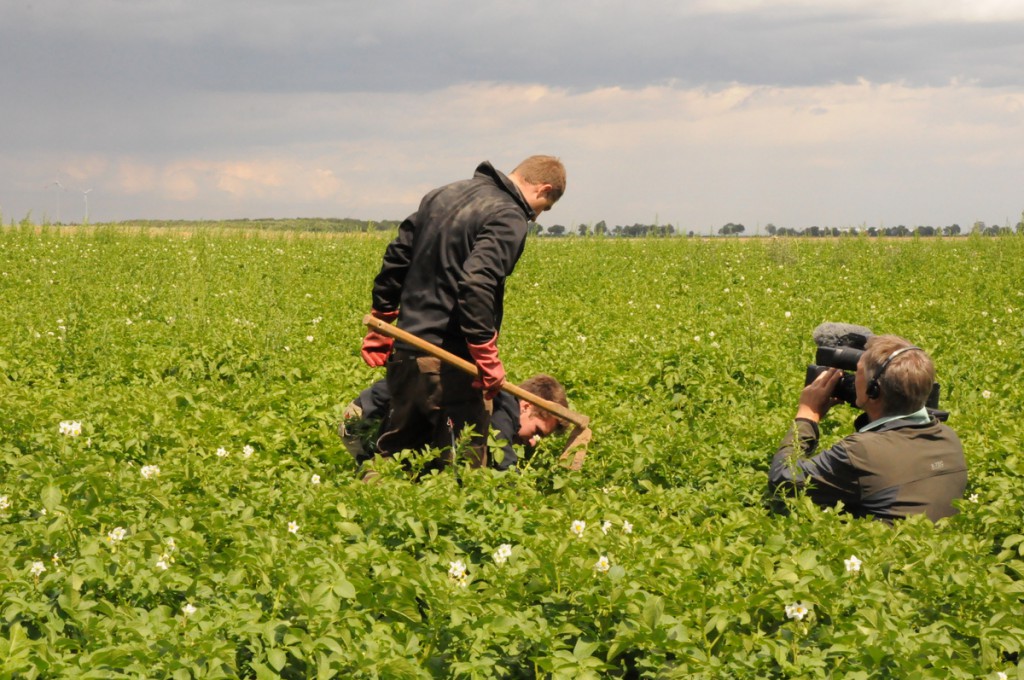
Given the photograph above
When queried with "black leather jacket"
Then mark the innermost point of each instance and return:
(446, 271)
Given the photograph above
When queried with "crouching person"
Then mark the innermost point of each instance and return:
(515, 421)
(901, 461)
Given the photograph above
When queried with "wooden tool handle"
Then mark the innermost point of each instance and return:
(397, 333)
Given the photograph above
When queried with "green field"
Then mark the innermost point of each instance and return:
(688, 355)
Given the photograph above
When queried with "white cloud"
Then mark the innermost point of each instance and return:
(916, 11)
(837, 155)
(697, 111)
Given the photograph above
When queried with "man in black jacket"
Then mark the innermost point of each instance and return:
(901, 461)
(514, 421)
(443, 279)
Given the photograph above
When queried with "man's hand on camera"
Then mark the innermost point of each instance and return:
(817, 398)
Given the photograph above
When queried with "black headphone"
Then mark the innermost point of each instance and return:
(874, 388)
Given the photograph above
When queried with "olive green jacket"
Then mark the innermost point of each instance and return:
(901, 468)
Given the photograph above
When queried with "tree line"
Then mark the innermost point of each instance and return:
(736, 229)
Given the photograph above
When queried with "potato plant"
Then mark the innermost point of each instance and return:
(175, 501)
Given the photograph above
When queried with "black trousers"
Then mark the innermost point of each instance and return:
(431, 404)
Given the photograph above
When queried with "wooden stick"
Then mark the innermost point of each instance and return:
(397, 333)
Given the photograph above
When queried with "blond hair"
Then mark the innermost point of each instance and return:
(906, 383)
(543, 170)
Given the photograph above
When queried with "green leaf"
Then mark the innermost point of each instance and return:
(584, 649)
(50, 497)
(343, 588)
(653, 610)
(277, 658)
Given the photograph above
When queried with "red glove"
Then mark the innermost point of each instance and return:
(492, 373)
(376, 346)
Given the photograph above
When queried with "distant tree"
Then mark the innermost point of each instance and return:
(770, 229)
(731, 228)
(556, 230)
(534, 229)
(582, 230)
(600, 229)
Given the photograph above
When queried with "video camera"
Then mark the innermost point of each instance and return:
(841, 345)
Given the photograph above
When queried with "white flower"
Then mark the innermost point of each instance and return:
(797, 611)
(162, 564)
(1000, 675)
(852, 564)
(627, 527)
(127, 322)
(696, 338)
(150, 471)
(789, 314)
(293, 527)
(37, 569)
(457, 573)
(117, 534)
(315, 479)
(170, 544)
(222, 452)
(5, 503)
(577, 527)
(317, 320)
(188, 609)
(309, 338)
(502, 554)
(973, 498)
(602, 565)
(711, 334)
(605, 526)
(70, 428)
(986, 394)
(247, 451)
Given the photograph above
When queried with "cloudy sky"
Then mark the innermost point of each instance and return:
(689, 112)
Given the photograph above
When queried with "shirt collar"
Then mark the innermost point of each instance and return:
(920, 417)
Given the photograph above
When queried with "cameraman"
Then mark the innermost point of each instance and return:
(901, 461)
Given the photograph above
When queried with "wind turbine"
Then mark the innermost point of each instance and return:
(60, 190)
(85, 197)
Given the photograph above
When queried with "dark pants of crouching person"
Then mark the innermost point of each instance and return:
(431, 404)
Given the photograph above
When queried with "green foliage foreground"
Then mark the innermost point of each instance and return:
(206, 521)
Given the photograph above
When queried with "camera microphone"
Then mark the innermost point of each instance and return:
(831, 334)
